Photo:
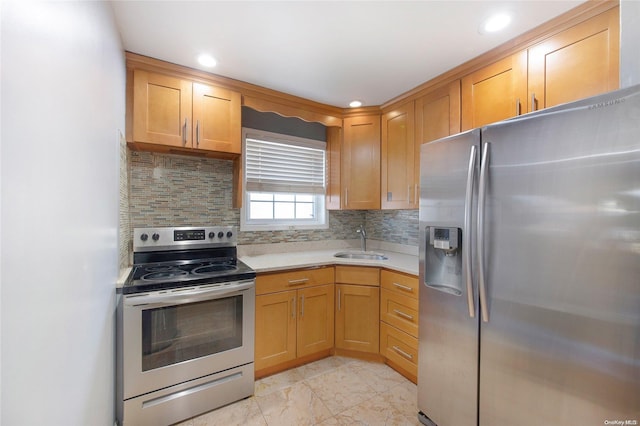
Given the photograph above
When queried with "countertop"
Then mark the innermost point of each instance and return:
(400, 258)
(282, 256)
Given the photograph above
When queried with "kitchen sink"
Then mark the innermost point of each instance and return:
(360, 255)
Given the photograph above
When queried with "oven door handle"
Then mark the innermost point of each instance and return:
(180, 296)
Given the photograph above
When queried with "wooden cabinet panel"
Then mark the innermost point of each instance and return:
(275, 340)
(170, 111)
(216, 118)
(334, 146)
(281, 281)
(579, 62)
(357, 316)
(438, 114)
(495, 92)
(161, 109)
(399, 348)
(403, 284)
(315, 319)
(294, 317)
(362, 275)
(398, 183)
(360, 169)
(399, 311)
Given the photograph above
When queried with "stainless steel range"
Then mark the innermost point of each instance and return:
(185, 325)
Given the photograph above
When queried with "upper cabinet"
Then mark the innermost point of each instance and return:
(217, 117)
(573, 62)
(495, 92)
(175, 112)
(334, 144)
(576, 63)
(438, 114)
(399, 187)
(360, 163)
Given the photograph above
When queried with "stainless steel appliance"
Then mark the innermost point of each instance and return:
(185, 325)
(530, 269)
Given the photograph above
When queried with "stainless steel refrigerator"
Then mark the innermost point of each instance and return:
(530, 269)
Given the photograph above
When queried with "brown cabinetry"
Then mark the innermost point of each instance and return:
(360, 167)
(399, 321)
(334, 146)
(294, 318)
(357, 308)
(399, 175)
(579, 61)
(495, 92)
(437, 114)
(576, 63)
(175, 112)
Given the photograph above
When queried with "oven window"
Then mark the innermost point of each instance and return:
(179, 333)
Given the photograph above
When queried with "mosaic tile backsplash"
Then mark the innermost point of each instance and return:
(170, 190)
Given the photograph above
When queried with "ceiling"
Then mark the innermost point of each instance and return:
(327, 51)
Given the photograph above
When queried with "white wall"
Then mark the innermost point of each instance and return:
(63, 81)
(629, 43)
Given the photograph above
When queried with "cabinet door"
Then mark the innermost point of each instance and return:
(275, 340)
(495, 92)
(579, 62)
(361, 163)
(357, 318)
(315, 319)
(161, 109)
(398, 186)
(216, 119)
(438, 114)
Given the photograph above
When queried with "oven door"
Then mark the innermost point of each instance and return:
(176, 335)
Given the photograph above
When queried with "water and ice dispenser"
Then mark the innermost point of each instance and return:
(443, 259)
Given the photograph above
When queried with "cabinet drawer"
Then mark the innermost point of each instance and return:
(400, 283)
(399, 347)
(400, 311)
(358, 275)
(291, 280)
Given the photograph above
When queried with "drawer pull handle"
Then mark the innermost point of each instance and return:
(403, 287)
(298, 282)
(403, 315)
(403, 353)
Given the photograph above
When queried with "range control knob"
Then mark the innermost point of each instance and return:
(144, 237)
(212, 234)
(155, 237)
(220, 234)
(229, 234)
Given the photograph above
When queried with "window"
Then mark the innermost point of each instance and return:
(284, 180)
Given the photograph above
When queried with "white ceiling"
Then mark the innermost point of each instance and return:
(327, 51)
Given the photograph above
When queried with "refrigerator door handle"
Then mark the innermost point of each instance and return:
(482, 192)
(466, 235)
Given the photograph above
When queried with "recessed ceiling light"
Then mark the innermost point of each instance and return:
(355, 104)
(207, 60)
(495, 23)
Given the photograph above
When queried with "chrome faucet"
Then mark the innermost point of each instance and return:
(363, 237)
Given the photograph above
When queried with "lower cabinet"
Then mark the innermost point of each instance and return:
(307, 314)
(294, 317)
(399, 322)
(357, 309)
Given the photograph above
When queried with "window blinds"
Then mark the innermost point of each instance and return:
(284, 166)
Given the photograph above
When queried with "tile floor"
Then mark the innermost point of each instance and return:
(332, 391)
